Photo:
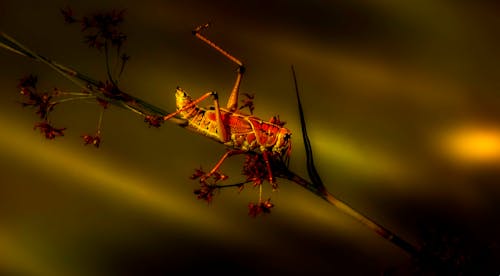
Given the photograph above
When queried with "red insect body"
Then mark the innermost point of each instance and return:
(241, 133)
(244, 132)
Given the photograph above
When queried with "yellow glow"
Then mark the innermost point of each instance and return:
(106, 179)
(21, 143)
(113, 181)
(368, 161)
(474, 144)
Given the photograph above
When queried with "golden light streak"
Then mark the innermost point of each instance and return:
(370, 75)
(364, 161)
(108, 180)
(82, 168)
(105, 178)
(21, 143)
(473, 144)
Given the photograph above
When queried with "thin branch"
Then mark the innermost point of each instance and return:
(124, 100)
(316, 186)
(108, 70)
(233, 185)
(385, 233)
(99, 123)
(74, 99)
(120, 99)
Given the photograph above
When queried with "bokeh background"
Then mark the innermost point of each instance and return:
(402, 104)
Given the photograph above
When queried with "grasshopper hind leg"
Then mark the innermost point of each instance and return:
(232, 103)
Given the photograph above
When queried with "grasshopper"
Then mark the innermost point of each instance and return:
(240, 133)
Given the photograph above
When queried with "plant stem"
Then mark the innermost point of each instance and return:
(89, 84)
(74, 99)
(348, 210)
(143, 108)
(233, 185)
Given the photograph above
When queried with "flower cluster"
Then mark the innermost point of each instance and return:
(99, 28)
(263, 207)
(92, 139)
(256, 172)
(206, 191)
(27, 82)
(255, 169)
(102, 31)
(208, 184)
(41, 101)
(153, 121)
(48, 130)
(44, 104)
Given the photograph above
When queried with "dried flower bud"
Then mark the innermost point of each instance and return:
(32, 98)
(49, 131)
(197, 173)
(92, 140)
(255, 169)
(29, 81)
(255, 209)
(153, 121)
(205, 192)
(68, 15)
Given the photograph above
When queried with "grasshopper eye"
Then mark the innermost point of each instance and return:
(287, 136)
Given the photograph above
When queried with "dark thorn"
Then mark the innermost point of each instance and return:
(311, 169)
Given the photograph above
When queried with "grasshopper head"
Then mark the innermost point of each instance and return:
(181, 98)
(283, 144)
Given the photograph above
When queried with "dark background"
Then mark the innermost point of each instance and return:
(402, 105)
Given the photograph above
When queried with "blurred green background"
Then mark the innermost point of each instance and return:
(402, 104)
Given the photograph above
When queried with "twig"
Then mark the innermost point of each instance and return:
(120, 99)
(124, 100)
(316, 186)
